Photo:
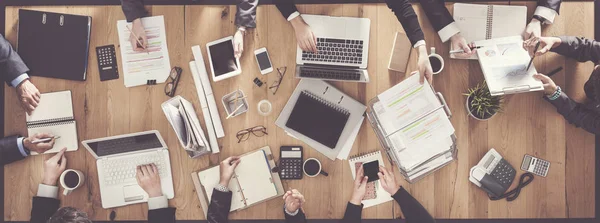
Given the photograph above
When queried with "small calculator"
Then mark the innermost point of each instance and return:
(290, 162)
(107, 62)
(535, 165)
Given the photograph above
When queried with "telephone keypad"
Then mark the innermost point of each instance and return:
(504, 173)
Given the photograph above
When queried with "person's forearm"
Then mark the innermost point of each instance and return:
(220, 204)
(286, 7)
(12, 68)
(353, 213)
(408, 18)
(133, 9)
(246, 13)
(578, 48)
(576, 114)
(411, 208)
(298, 217)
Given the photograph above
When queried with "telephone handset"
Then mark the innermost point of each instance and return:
(493, 174)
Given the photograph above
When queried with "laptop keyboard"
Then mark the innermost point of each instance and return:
(123, 170)
(127, 144)
(310, 72)
(336, 51)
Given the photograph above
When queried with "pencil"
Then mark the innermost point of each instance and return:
(137, 39)
(234, 111)
(533, 57)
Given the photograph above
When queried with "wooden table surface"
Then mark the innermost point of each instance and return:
(529, 125)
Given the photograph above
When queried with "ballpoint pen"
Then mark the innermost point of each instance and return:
(462, 51)
(533, 57)
(45, 139)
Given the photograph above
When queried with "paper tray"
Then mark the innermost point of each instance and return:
(374, 121)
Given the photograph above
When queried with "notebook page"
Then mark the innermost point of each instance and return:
(508, 21)
(254, 176)
(54, 105)
(66, 130)
(210, 178)
(471, 19)
(382, 195)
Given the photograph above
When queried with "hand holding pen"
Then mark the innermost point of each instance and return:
(40, 142)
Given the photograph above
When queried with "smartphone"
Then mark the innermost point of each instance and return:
(263, 60)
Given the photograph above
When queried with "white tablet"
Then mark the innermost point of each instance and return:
(223, 63)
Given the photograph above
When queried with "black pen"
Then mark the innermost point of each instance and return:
(462, 51)
(531, 61)
(553, 72)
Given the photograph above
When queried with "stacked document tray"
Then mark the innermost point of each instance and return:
(423, 143)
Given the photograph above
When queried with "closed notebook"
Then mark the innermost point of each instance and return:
(318, 119)
(54, 115)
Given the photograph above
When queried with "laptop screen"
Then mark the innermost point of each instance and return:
(126, 144)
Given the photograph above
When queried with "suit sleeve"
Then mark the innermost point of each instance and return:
(579, 48)
(286, 7)
(411, 208)
(353, 213)
(440, 18)
(163, 215)
(133, 9)
(11, 64)
(298, 218)
(408, 18)
(576, 113)
(43, 208)
(9, 150)
(246, 13)
(220, 204)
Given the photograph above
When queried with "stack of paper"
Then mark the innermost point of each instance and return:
(415, 127)
(180, 113)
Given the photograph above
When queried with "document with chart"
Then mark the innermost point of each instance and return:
(504, 64)
(150, 64)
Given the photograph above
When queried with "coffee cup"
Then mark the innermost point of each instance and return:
(70, 180)
(264, 107)
(312, 168)
(436, 61)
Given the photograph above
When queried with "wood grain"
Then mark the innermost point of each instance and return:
(528, 125)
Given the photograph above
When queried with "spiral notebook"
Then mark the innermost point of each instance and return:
(54, 115)
(381, 196)
(482, 22)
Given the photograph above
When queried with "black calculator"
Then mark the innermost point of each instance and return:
(107, 62)
(290, 162)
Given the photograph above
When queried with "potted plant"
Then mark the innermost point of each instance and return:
(480, 104)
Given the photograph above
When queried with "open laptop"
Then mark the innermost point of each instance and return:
(117, 158)
(343, 49)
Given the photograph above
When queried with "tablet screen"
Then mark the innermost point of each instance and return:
(222, 58)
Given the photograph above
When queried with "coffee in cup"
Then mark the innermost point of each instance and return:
(312, 168)
(436, 61)
(70, 180)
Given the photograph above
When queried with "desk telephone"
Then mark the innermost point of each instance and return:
(493, 174)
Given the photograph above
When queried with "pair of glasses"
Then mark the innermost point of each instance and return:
(258, 131)
(171, 86)
(275, 86)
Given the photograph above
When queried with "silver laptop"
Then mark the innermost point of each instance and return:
(117, 158)
(343, 49)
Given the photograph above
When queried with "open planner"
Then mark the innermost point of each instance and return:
(54, 115)
(412, 124)
(381, 196)
(252, 183)
(182, 117)
(322, 117)
(483, 22)
(504, 65)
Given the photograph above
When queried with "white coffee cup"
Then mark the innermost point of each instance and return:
(438, 57)
(69, 184)
(317, 172)
(266, 105)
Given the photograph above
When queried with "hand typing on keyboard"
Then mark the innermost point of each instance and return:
(148, 178)
(119, 171)
(304, 35)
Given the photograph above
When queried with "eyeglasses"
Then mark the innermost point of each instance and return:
(258, 131)
(275, 86)
(171, 86)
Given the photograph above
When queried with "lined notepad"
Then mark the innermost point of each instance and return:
(54, 115)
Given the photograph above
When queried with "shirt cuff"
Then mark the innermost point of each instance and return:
(290, 213)
(293, 16)
(19, 79)
(21, 147)
(158, 202)
(47, 191)
(419, 43)
(222, 188)
(546, 13)
(448, 31)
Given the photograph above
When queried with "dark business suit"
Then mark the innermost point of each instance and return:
(245, 15)
(9, 150)
(42, 208)
(11, 64)
(586, 116)
(401, 8)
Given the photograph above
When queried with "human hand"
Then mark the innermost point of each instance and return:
(53, 168)
(238, 43)
(137, 28)
(533, 29)
(293, 200)
(425, 70)
(458, 43)
(388, 181)
(29, 96)
(148, 178)
(360, 187)
(39, 147)
(304, 35)
(227, 167)
(546, 44)
(549, 85)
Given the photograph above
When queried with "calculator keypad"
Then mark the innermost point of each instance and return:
(504, 173)
(291, 168)
(541, 168)
(107, 62)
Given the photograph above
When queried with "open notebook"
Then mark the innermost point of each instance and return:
(381, 195)
(482, 22)
(54, 115)
(252, 182)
